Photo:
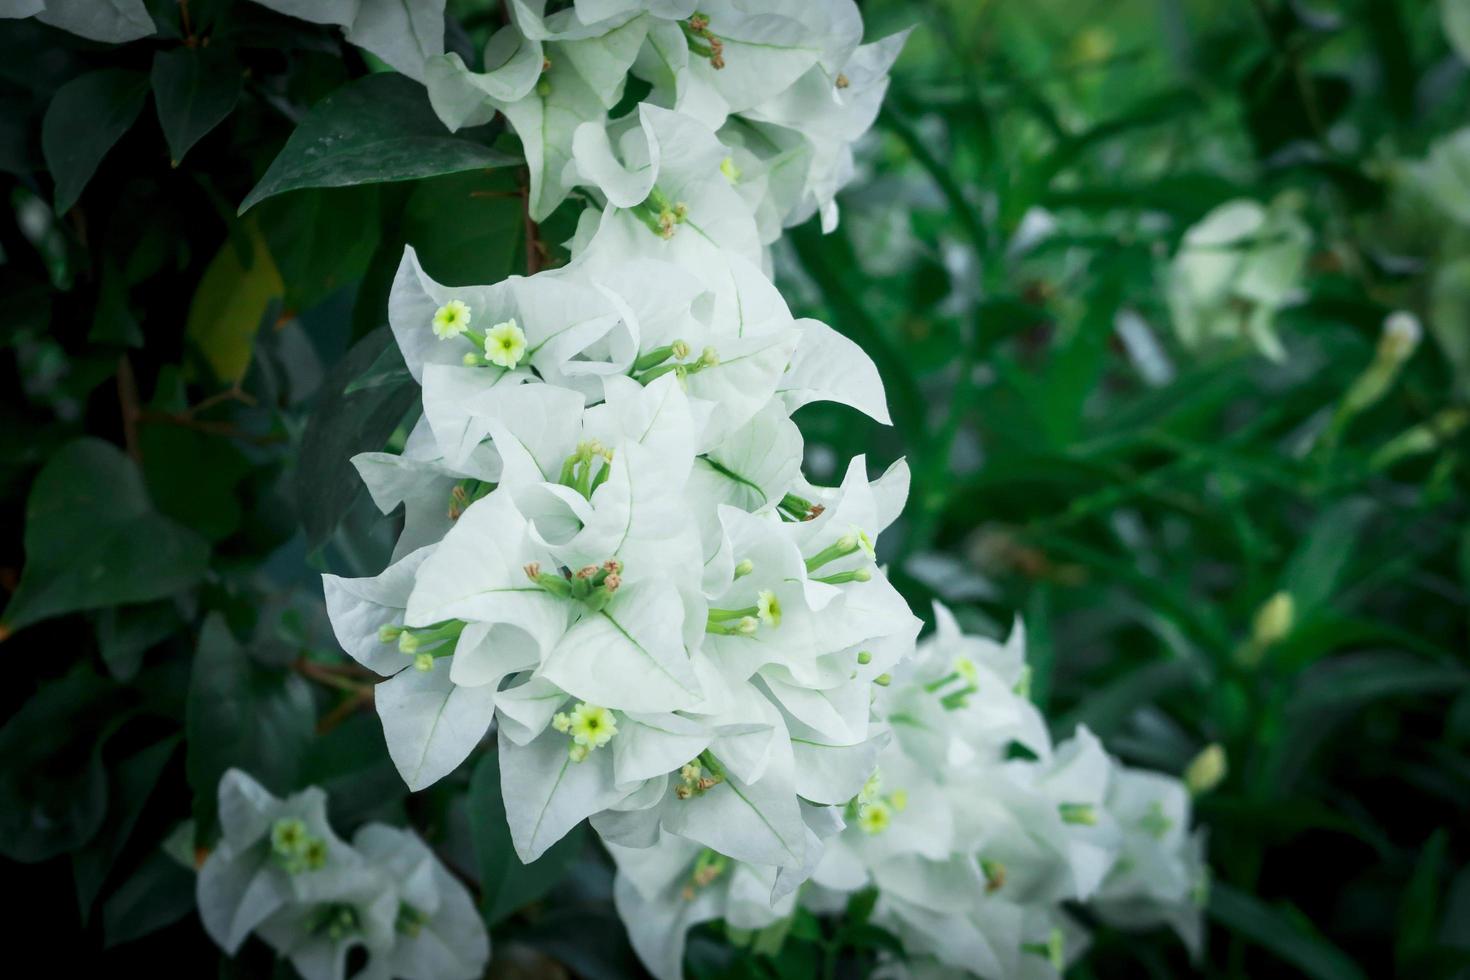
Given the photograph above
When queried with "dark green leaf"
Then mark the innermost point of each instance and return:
(85, 118)
(379, 128)
(505, 883)
(341, 426)
(159, 894)
(1316, 570)
(93, 539)
(194, 478)
(1419, 908)
(241, 715)
(483, 241)
(194, 88)
(321, 240)
(132, 784)
(1284, 932)
(125, 633)
(53, 787)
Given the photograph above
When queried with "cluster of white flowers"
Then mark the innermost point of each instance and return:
(609, 549)
(974, 829)
(280, 872)
(785, 88)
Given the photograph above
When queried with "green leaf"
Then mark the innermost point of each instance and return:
(467, 228)
(1419, 905)
(352, 764)
(232, 298)
(244, 715)
(1347, 683)
(159, 894)
(53, 787)
(321, 240)
(194, 478)
(341, 426)
(125, 633)
(505, 883)
(85, 118)
(93, 539)
(1317, 567)
(1105, 709)
(132, 785)
(377, 129)
(194, 89)
(1283, 931)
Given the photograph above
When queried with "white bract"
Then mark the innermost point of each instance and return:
(280, 872)
(788, 87)
(609, 555)
(973, 849)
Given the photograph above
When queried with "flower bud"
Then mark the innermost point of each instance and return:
(1207, 769)
(1081, 814)
(1274, 620)
(1400, 337)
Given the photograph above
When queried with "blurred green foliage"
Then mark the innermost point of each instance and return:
(187, 382)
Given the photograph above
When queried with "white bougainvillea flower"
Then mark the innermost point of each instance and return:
(823, 114)
(666, 176)
(280, 872)
(1160, 877)
(405, 35)
(438, 932)
(664, 891)
(358, 910)
(581, 69)
(557, 318)
(965, 698)
(739, 55)
(1235, 270)
(1046, 823)
(272, 854)
(433, 493)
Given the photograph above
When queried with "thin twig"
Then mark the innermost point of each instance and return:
(228, 429)
(349, 706)
(127, 398)
(534, 253)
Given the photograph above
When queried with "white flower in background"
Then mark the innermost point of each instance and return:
(1235, 270)
(1441, 176)
(280, 872)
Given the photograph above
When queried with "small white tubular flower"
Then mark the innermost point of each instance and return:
(505, 344)
(451, 319)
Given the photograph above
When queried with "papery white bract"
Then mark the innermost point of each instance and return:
(280, 872)
(972, 851)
